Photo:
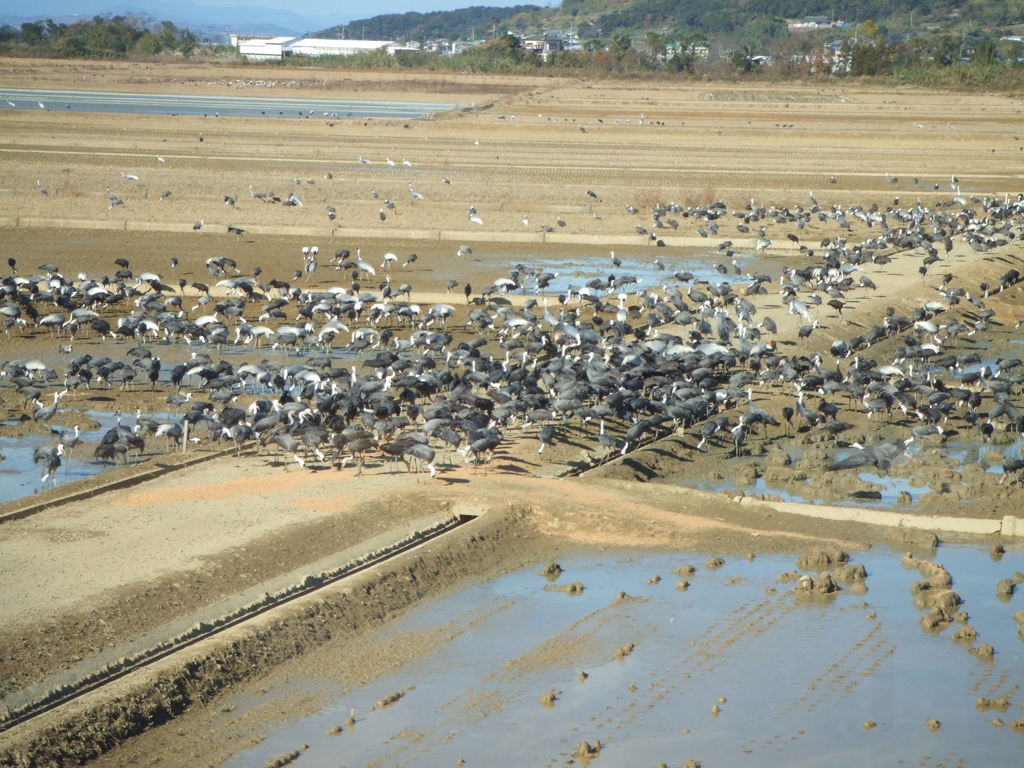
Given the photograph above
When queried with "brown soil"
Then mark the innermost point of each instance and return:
(94, 573)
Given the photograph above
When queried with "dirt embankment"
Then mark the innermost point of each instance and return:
(92, 725)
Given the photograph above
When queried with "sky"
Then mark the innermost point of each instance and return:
(265, 16)
(342, 9)
(363, 10)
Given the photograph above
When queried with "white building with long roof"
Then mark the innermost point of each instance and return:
(261, 48)
(276, 48)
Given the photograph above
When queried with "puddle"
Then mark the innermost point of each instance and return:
(961, 453)
(20, 475)
(637, 269)
(798, 677)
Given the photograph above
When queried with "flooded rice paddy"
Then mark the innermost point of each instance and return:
(651, 664)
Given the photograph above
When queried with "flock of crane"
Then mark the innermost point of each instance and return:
(616, 361)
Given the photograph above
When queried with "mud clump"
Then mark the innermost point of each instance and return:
(821, 559)
(623, 651)
(933, 724)
(714, 563)
(686, 570)
(984, 651)
(691, 764)
(928, 598)
(965, 634)
(1005, 588)
(934, 573)
(576, 588)
(288, 757)
(935, 620)
(552, 571)
(390, 699)
(849, 573)
(586, 751)
(984, 703)
(548, 698)
(822, 584)
(869, 724)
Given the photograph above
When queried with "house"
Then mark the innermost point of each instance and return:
(460, 45)
(699, 52)
(812, 22)
(544, 43)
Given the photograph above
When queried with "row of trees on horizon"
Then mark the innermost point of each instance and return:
(937, 58)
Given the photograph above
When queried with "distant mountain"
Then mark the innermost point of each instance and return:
(465, 23)
(752, 20)
(211, 19)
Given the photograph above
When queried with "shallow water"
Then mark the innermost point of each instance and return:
(214, 105)
(960, 452)
(20, 475)
(573, 271)
(799, 676)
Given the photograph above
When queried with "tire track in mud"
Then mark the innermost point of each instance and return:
(477, 704)
(831, 686)
(711, 649)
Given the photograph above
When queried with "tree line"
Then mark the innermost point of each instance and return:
(739, 19)
(937, 60)
(102, 37)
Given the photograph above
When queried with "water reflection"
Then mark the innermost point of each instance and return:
(794, 679)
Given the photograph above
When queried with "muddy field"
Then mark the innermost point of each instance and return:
(552, 171)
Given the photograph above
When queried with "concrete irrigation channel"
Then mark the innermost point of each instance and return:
(173, 667)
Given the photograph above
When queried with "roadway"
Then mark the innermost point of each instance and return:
(214, 105)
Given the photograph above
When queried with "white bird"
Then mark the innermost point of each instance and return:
(41, 105)
(159, 159)
(475, 219)
(360, 264)
(415, 195)
(129, 176)
(526, 221)
(388, 259)
(389, 161)
(406, 163)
